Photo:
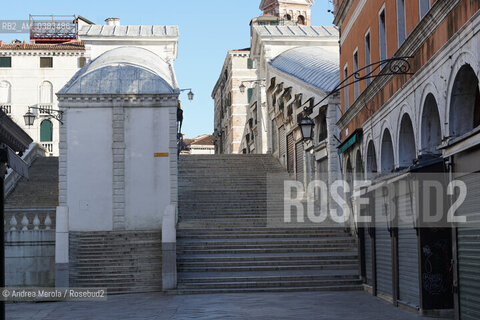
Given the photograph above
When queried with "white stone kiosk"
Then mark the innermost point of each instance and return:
(118, 154)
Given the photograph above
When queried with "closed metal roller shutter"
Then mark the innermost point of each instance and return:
(300, 160)
(383, 251)
(407, 254)
(282, 144)
(368, 257)
(290, 153)
(468, 246)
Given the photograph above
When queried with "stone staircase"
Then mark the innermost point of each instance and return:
(41, 190)
(122, 262)
(225, 242)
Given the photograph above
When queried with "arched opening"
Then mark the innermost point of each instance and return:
(301, 20)
(46, 93)
(386, 158)
(371, 160)
(406, 143)
(349, 174)
(287, 17)
(5, 92)
(431, 126)
(322, 127)
(359, 173)
(46, 131)
(464, 102)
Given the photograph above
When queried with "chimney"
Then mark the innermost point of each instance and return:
(112, 21)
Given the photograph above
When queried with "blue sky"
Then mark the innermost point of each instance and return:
(208, 29)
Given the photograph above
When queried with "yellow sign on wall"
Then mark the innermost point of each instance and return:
(160, 154)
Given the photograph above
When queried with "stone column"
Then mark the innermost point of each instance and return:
(118, 152)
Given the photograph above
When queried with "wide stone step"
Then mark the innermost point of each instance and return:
(267, 257)
(270, 283)
(183, 291)
(351, 266)
(266, 250)
(248, 263)
(232, 237)
(260, 276)
(181, 237)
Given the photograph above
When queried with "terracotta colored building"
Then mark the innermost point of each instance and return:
(424, 120)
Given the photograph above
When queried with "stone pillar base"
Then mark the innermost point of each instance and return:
(62, 275)
(169, 266)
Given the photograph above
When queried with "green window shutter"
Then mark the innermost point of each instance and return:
(46, 131)
(250, 94)
(5, 62)
(250, 64)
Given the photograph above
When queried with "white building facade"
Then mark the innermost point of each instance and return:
(30, 75)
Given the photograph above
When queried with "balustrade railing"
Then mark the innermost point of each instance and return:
(45, 109)
(48, 146)
(29, 219)
(6, 108)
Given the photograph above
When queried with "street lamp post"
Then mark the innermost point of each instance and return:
(190, 93)
(242, 86)
(30, 117)
(306, 127)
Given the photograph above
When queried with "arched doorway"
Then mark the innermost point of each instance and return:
(359, 170)
(464, 102)
(46, 131)
(371, 160)
(431, 126)
(406, 142)
(387, 160)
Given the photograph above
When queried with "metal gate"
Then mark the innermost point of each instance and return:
(282, 145)
(468, 249)
(290, 153)
(300, 160)
(383, 249)
(408, 262)
(368, 256)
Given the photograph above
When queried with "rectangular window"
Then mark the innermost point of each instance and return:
(250, 63)
(424, 7)
(356, 86)
(368, 57)
(401, 32)
(382, 35)
(46, 62)
(5, 62)
(82, 61)
(345, 90)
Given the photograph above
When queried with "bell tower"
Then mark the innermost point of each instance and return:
(296, 11)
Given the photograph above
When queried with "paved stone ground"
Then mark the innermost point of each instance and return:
(250, 306)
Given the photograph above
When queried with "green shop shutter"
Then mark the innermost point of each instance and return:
(250, 94)
(46, 131)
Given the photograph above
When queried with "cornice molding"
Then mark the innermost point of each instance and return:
(412, 44)
(43, 53)
(342, 12)
(127, 100)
